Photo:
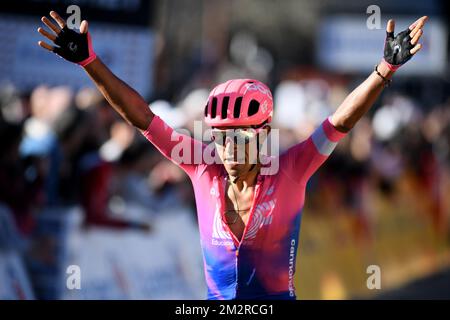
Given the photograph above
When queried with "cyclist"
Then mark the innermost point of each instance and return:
(249, 221)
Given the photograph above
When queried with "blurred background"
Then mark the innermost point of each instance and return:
(78, 186)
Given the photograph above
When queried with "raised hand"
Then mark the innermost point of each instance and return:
(70, 45)
(399, 49)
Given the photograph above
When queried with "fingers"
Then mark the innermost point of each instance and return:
(416, 33)
(390, 29)
(416, 37)
(84, 26)
(390, 26)
(46, 46)
(60, 21)
(51, 26)
(417, 27)
(46, 34)
(416, 49)
(420, 22)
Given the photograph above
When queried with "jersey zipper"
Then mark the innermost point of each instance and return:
(257, 188)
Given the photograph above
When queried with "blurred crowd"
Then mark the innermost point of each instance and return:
(64, 148)
(61, 148)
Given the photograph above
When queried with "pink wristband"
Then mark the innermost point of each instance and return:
(85, 62)
(92, 55)
(391, 67)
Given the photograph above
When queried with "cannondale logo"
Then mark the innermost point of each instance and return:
(72, 46)
(291, 268)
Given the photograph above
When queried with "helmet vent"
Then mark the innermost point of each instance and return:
(225, 102)
(206, 110)
(213, 107)
(237, 107)
(253, 108)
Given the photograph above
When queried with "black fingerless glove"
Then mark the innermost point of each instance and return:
(397, 50)
(75, 47)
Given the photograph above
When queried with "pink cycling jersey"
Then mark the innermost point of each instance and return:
(262, 264)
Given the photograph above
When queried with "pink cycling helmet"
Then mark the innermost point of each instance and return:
(239, 102)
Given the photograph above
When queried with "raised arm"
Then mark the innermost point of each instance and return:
(124, 99)
(397, 51)
(77, 48)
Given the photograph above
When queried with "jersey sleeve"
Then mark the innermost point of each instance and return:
(181, 149)
(305, 158)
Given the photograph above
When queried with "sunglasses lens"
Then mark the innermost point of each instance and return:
(238, 136)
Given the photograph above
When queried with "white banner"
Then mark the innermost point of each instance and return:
(163, 264)
(14, 281)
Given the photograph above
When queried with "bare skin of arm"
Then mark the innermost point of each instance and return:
(359, 101)
(124, 99)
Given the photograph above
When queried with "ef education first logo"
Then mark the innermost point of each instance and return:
(260, 88)
(261, 217)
